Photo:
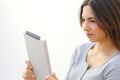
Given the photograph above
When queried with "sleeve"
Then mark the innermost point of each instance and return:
(113, 74)
(72, 62)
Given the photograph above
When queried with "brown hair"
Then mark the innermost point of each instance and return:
(107, 15)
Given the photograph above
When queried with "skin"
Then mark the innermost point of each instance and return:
(29, 74)
(89, 25)
(103, 48)
(97, 55)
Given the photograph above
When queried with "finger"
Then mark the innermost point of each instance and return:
(28, 74)
(29, 66)
(48, 77)
(54, 75)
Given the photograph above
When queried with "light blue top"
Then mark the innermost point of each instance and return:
(109, 70)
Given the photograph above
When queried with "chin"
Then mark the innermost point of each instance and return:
(92, 40)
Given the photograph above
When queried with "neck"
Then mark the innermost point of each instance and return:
(106, 48)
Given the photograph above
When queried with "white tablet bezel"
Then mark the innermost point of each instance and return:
(38, 55)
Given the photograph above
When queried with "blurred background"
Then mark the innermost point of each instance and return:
(56, 20)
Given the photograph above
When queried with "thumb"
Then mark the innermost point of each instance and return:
(54, 75)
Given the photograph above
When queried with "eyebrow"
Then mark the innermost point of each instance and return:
(89, 18)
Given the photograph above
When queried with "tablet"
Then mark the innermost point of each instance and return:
(38, 55)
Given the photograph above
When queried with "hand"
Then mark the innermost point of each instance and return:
(52, 76)
(28, 73)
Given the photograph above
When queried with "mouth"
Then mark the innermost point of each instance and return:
(89, 34)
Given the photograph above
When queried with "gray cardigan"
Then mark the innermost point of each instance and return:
(109, 70)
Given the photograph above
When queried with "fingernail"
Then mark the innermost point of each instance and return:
(54, 73)
(33, 76)
(30, 67)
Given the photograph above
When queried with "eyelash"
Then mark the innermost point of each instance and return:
(89, 20)
(93, 21)
(82, 20)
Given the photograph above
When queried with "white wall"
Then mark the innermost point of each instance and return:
(57, 20)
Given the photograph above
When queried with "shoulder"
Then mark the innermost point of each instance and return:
(81, 50)
(83, 47)
(115, 61)
(113, 69)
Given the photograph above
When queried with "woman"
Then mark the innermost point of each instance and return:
(100, 59)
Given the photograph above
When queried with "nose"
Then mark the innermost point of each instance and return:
(85, 26)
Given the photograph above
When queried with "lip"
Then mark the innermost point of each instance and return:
(89, 34)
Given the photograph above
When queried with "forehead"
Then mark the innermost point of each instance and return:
(87, 12)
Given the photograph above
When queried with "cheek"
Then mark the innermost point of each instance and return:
(95, 28)
(98, 31)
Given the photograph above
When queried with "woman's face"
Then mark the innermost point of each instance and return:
(89, 25)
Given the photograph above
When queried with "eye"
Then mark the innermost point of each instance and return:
(93, 21)
(82, 20)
